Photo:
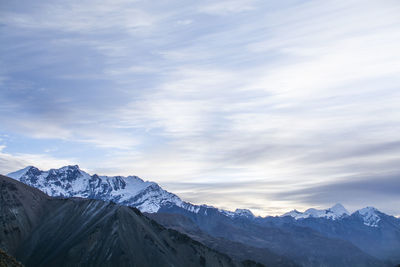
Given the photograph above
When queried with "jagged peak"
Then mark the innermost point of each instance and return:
(244, 212)
(66, 169)
(71, 181)
(335, 212)
(21, 172)
(367, 209)
(237, 213)
(339, 209)
(18, 174)
(69, 167)
(370, 216)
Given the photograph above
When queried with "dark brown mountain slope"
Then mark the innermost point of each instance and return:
(8, 261)
(21, 209)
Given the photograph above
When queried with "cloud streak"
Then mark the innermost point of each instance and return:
(241, 95)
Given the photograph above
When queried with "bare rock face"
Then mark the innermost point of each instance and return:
(8, 261)
(42, 231)
(21, 210)
(70, 181)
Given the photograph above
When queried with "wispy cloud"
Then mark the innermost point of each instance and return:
(380, 188)
(227, 7)
(11, 162)
(264, 97)
(79, 16)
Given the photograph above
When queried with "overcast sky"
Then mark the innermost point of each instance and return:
(267, 105)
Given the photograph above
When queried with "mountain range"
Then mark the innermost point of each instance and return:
(44, 231)
(331, 237)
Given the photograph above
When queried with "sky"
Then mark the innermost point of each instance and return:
(266, 105)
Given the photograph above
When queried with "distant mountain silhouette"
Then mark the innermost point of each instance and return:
(302, 245)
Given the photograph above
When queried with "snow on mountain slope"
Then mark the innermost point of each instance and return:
(370, 216)
(238, 213)
(19, 173)
(334, 213)
(70, 181)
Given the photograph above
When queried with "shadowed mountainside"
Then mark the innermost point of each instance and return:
(236, 250)
(331, 237)
(302, 245)
(42, 231)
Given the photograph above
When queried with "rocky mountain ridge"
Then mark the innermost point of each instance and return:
(71, 181)
(366, 237)
(39, 230)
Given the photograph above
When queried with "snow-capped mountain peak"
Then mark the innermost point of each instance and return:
(370, 216)
(244, 212)
(71, 181)
(335, 212)
(294, 213)
(19, 173)
(339, 210)
(237, 213)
